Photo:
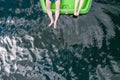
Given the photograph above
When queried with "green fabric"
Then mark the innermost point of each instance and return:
(67, 6)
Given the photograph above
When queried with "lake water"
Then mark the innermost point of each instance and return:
(83, 48)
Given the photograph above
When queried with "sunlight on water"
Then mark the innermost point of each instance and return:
(83, 48)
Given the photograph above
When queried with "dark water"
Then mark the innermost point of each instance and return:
(85, 48)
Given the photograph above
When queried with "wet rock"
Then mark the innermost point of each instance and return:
(104, 73)
(115, 67)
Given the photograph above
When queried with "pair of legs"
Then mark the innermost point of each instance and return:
(78, 8)
(49, 12)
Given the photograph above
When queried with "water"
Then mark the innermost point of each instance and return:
(83, 48)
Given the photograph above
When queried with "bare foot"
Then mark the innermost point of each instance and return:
(55, 25)
(75, 13)
(51, 23)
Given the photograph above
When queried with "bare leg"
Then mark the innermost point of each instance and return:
(75, 7)
(81, 3)
(57, 13)
(49, 12)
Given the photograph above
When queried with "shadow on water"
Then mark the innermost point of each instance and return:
(83, 48)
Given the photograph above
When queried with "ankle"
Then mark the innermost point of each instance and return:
(52, 21)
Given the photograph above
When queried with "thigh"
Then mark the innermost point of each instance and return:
(57, 4)
(48, 3)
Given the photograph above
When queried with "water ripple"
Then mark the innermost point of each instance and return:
(85, 48)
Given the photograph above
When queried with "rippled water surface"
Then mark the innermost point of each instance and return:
(83, 48)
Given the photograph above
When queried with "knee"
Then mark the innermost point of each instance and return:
(57, 10)
(47, 7)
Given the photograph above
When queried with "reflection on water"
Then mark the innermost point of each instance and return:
(83, 48)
